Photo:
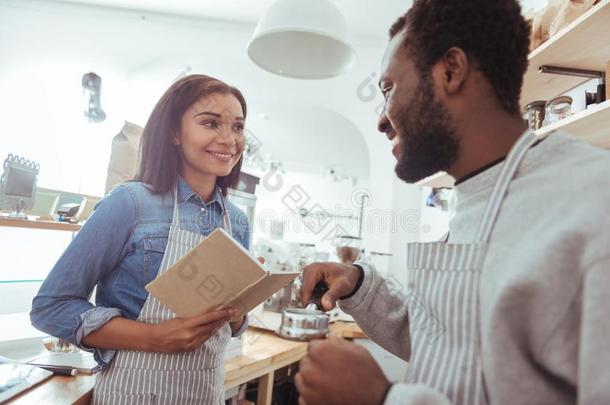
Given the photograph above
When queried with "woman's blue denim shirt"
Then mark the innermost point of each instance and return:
(119, 250)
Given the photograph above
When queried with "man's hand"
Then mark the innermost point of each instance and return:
(337, 372)
(340, 278)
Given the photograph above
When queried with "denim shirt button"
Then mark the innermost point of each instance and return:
(202, 221)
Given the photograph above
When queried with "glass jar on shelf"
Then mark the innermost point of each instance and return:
(533, 114)
(557, 109)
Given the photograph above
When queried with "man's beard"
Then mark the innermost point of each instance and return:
(428, 143)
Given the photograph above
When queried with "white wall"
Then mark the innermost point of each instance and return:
(27, 257)
(406, 212)
(278, 199)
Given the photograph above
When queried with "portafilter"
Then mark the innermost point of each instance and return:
(307, 323)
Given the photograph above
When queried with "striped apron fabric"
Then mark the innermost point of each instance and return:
(443, 301)
(196, 377)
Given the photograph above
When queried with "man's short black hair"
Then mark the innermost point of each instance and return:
(493, 34)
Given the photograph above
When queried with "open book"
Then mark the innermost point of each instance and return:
(217, 273)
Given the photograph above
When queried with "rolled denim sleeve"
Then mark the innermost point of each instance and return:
(90, 321)
(243, 328)
(62, 308)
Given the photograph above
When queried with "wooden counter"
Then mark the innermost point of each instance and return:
(263, 353)
(347, 330)
(38, 224)
(58, 390)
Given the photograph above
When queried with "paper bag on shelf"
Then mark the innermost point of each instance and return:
(568, 12)
(217, 273)
(124, 155)
(555, 16)
(542, 22)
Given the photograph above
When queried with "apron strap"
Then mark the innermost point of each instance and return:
(225, 218)
(513, 160)
(176, 214)
(511, 165)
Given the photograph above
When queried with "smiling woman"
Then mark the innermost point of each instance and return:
(211, 138)
(191, 153)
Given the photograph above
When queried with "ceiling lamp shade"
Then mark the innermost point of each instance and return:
(304, 39)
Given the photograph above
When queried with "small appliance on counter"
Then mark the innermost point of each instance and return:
(67, 212)
(18, 185)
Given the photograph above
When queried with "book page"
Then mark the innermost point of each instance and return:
(213, 275)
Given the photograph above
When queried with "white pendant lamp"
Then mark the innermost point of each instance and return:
(304, 39)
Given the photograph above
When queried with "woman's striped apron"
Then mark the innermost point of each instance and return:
(443, 299)
(196, 377)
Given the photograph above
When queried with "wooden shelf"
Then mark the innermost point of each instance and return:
(583, 44)
(48, 225)
(590, 125)
(438, 180)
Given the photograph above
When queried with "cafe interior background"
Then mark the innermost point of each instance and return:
(324, 171)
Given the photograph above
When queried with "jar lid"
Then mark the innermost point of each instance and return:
(535, 104)
(560, 100)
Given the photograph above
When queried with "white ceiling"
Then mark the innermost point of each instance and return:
(367, 19)
(309, 138)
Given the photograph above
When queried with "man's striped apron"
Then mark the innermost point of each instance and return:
(443, 299)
